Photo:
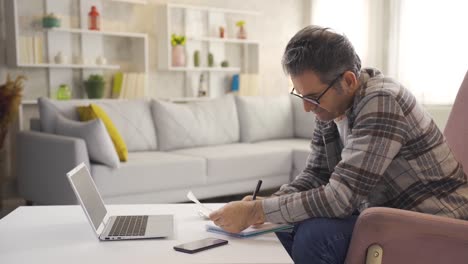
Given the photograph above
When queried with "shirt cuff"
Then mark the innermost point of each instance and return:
(272, 210)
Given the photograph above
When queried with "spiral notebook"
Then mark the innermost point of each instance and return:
(253, 230)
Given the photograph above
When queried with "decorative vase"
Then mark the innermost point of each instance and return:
(60, 58)
(94, 89)
(242, 33)
(63, 92)
(94, 19)
(196, 58)
(178, 56)
(210, 60)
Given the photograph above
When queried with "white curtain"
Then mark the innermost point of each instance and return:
(432, 53)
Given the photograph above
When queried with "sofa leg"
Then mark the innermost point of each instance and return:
(29, 203)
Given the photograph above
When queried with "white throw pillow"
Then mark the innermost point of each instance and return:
(204, 123)
(94, 133)
(304, 122)
(263, 118)
(133, 120)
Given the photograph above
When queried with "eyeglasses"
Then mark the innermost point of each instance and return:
(315, 100)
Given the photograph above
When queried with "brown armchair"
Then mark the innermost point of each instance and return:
(392, 236)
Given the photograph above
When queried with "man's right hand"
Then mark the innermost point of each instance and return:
(249, 198)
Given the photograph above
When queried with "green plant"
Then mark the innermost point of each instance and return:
(225, 64)
(178, 40)
(240, 23)
(95, 86)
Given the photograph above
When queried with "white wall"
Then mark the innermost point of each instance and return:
(279, 21)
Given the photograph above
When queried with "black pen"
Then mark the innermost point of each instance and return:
(257, 189)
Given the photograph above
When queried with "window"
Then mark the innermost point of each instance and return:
(433, 48)
(345, 17)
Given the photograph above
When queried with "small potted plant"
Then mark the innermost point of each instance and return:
(95, 86)
(241, 33)
(178, 53)
(50, 21)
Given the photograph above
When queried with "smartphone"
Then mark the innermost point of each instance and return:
(200, 245)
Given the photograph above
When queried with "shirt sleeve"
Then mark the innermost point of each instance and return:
(378, 132)
(316, 172)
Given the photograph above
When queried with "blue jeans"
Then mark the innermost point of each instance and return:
(319, 240)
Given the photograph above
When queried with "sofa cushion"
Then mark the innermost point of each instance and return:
(233, 162)
(263, 118)
(304, 122)
(149, 172)
(195, 124)
(94, 133)
(300, 150)
(133, 120)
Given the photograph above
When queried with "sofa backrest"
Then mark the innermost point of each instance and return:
(132, 118)
(264, 117)
(304, 122)
(194, 124)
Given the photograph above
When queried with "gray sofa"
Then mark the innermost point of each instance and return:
(216, 147)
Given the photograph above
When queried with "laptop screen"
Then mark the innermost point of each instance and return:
(87, 193)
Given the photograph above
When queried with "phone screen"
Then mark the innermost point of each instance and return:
(200, 245)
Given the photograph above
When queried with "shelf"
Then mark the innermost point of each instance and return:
(95, 32)
(215, 10)
(225, 40)
(187, 99)
(209, 69)
(69, 66)
(142, 2)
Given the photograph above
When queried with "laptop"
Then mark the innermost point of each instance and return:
(110, 227)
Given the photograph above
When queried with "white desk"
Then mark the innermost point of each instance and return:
(62, 234)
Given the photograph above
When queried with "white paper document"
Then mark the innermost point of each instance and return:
(203, 211)
(252, 230)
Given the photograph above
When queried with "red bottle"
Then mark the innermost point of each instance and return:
(94, 20)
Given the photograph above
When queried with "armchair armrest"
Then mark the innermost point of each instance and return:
(43, 161)
(407, 237)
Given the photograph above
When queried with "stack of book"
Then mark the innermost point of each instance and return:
(31, 49)
(129, 85)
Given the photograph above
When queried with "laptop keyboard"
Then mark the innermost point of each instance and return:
(134, 225)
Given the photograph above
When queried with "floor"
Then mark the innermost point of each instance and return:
(8, 205)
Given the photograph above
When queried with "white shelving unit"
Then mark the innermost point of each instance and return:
(73, 42)
(73, 39)
(201, 27)
(68, 66)
(94, 32)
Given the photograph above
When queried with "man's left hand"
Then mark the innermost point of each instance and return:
(237, 216)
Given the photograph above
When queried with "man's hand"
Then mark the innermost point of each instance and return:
(237, 216)
(249, 198)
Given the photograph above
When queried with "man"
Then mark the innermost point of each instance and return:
(373, 145)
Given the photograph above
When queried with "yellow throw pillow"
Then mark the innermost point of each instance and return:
(93, 111)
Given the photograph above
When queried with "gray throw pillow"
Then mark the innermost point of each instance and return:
(265, 117)
(94, 133)
(134, 121)
(48, 114)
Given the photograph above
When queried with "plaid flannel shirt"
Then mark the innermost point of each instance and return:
(395, 156)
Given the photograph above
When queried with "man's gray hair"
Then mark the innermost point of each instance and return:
(322, 51)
